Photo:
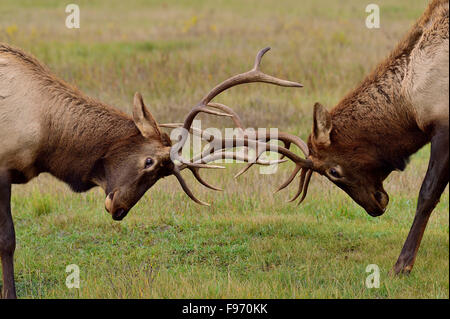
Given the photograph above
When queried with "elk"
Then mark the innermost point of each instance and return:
(47, 125)
(396, 110)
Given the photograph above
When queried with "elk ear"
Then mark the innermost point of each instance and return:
(143, 119)
(321, 125)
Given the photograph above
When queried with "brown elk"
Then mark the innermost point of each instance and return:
(401, 106)
(49, 126)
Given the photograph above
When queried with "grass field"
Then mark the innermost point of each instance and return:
(249, 244)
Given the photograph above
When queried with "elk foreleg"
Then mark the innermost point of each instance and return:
(7, 236)
(436, 179)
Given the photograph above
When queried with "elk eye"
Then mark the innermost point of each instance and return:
(334, 173)
(148, 162)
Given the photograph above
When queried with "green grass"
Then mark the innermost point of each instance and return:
(249, 244)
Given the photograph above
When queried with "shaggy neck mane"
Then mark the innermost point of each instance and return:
(375, 116)
(78, 130)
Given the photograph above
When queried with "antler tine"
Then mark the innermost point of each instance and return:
(245, 169)
(300, 186)
(198, 165)
(286, 145)
(305, 187)
(235, 117)
(195, 172)
(232, 155)
(201, 109)
(185, 188)
(193, 130)
(254, 75)
(249, 165)
(289, 139)
(290, 178)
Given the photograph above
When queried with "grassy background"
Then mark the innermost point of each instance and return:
(249, 243)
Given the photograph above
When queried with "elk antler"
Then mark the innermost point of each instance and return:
(304, 166)
(256, 143)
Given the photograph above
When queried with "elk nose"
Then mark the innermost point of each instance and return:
(119, 214)
(382, 199)
(109, 202)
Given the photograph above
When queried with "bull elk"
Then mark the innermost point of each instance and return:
(396, 110)
(46, 125)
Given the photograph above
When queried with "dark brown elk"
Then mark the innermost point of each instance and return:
(49, 126)
(401, 106)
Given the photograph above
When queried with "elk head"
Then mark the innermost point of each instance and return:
(134, 164)
(353, 168)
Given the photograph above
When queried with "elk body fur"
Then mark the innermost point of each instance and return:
(403, 97)
(45, 123)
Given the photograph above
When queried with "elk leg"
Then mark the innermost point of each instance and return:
(7, 237)
(436, 179)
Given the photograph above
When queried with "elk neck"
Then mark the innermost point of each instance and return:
(79, 131)
(376, 116)
(61, 130)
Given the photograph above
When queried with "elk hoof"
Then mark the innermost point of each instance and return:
(400, 268)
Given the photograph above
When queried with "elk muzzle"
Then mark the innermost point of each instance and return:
(117, 212)
(373, 202)
(381, 198)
